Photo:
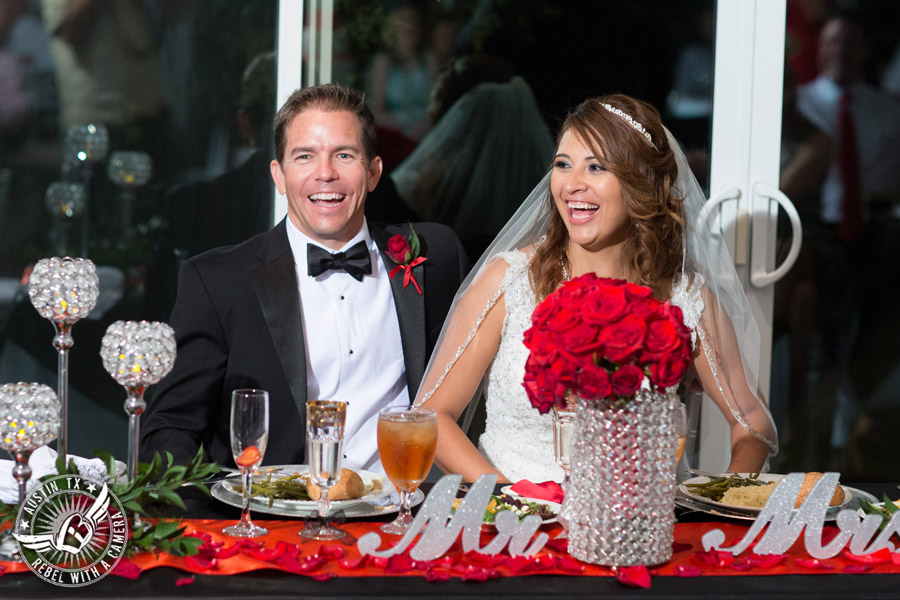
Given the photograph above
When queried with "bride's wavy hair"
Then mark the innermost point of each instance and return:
(646, 172)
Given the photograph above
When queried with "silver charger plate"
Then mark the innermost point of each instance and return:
(381, 500)
(851, 500)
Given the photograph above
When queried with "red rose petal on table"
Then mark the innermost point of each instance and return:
(399, 563)
(127, 569)
(875, 558)
(741, 564)
(227, 551)
(352, 563)
(332, 551)
(857, 569)
(766, 561)
(637, 576)
(184, 581)
(200, 563)
(813, 563)
(688, 571)
(323, 576)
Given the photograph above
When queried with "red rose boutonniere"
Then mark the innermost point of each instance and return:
(600, 338)
(405, 252)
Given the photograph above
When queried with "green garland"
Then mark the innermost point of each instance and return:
(152, 489)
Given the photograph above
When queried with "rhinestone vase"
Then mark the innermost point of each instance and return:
(620, 506)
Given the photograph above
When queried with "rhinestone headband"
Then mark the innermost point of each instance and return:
(634, 124)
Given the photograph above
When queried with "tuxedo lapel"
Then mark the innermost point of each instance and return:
(410, 306)
(275, 282)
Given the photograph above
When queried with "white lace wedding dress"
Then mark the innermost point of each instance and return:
(518, 440)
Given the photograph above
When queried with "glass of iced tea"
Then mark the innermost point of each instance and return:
(407, 440)
(681, 430)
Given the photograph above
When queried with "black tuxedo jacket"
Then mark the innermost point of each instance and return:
(237, 324)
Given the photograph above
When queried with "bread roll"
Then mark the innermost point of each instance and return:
(809, 481)
(348, 487)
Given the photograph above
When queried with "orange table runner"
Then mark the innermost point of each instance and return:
(284, 550)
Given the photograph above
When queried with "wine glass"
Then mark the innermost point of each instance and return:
(324, 448)
(249, 434)
(407, 440)
(563, 432)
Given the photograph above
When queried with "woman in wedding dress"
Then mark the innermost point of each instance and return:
(621, 202)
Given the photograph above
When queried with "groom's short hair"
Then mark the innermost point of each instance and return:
(326, 97)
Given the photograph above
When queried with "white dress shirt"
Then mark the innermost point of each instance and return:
(353, 347)
(876, 119)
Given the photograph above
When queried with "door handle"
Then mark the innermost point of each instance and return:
(759, 277)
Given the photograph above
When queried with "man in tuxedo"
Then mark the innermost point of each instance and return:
(306, 311)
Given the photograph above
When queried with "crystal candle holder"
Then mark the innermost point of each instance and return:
(129, 170)
(63, 290)
(87, 143)
(137, 354)
(29, 419)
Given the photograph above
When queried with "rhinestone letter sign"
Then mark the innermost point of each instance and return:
(786, 524)
(443, 526)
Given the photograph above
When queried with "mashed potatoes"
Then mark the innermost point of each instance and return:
(753, 496)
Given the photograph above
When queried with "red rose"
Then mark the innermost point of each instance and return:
(593, 383)
(635, 291)
(581, 340)
(398, 249)
(564, 319)
(544, 311)
(623, 340)
(662, 336)
(536, 394)
(669, 370)
(544, 348)
(627, 380)
(604, 305)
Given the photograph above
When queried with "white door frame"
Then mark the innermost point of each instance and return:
(746, 146)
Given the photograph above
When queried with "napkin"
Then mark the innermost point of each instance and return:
(548, 490)
(42, 463)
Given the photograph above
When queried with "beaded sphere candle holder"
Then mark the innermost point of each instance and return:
(63, 290)
(29, 419)
(137, 354)
(65, 199)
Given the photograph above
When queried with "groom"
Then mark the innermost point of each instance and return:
(307, 311)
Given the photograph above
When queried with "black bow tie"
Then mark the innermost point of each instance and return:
(356, 260)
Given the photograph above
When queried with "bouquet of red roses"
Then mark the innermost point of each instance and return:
(599, 338)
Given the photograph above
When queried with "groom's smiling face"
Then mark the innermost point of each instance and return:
(325, 175)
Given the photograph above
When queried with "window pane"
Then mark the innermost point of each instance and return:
(134, 133)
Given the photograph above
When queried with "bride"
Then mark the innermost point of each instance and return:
(621, 202)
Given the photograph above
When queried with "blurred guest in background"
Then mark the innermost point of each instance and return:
(488, 147)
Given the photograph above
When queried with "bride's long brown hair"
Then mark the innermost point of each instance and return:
(653, 252)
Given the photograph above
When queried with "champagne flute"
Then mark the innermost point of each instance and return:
(407, 441)
(249, 434)
(324, 448)
(563, 432)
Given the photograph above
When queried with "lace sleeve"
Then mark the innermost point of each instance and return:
(467, 317)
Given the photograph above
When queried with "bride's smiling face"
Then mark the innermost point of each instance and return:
(587, 196)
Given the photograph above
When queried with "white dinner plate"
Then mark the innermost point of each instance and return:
(377, 499)
(851, 496)
(554, 506)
